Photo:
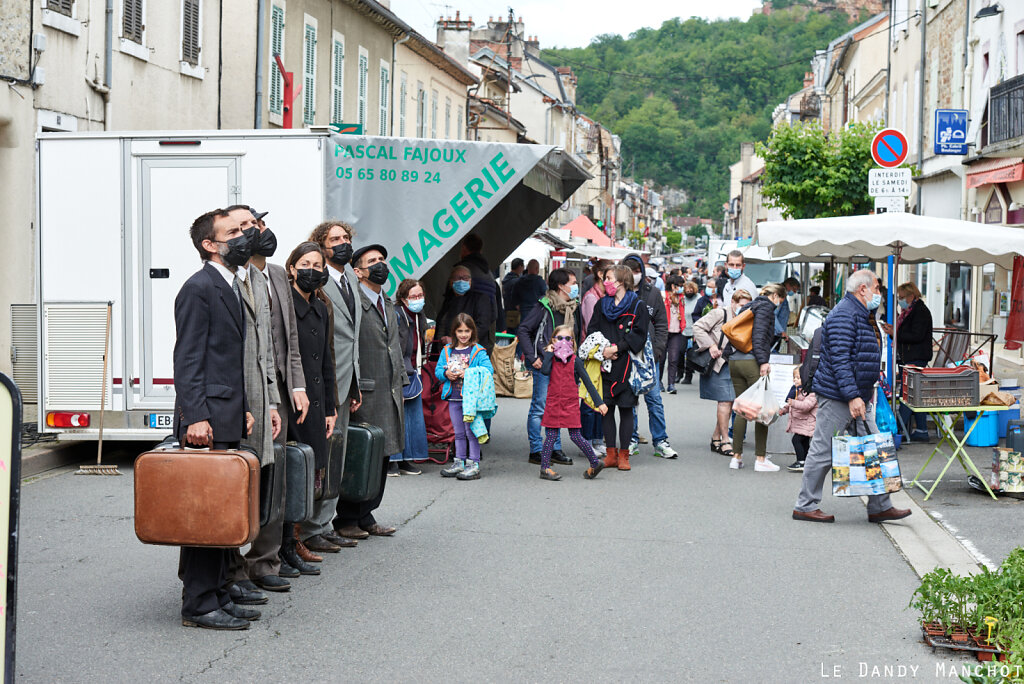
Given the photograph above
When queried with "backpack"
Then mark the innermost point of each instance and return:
(811, 360)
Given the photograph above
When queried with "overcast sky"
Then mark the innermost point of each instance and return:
(570, 23)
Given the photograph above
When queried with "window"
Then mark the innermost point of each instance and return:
(1020, 53)
(131, 24)
(190, 45)
(459, 124)
(433, 113)
(338, 79)
(448, 118)
(309, 71)
(276, 48)
(403, 95)
(421, 111)
(385, 88)
(364, 68)
(60, 6)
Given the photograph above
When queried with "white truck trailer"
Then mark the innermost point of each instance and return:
(114, 211)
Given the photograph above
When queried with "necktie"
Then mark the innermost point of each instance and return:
(346, 294)
(247, 288)
(380, 307)
(238, 295)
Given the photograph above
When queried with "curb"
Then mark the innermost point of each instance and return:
(40, 458)
(924, 543)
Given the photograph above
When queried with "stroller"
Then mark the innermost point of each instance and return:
(440, 433)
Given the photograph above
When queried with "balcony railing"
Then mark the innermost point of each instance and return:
(1006, 110)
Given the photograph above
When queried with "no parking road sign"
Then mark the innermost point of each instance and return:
(889, 148)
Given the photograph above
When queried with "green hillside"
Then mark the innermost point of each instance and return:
(684, 96)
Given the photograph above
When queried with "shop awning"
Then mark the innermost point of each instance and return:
(1000, 170)
(582, 227)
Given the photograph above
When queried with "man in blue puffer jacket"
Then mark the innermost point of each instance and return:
(845, 383)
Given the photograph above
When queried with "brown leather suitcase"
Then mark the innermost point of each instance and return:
(197, 497)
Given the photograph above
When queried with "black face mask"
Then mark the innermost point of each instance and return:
(310, 280)
(378, 273)
(265, 243)
(341, 254)
(239, 250)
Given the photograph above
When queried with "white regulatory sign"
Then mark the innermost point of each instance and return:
(884, 204)
(889, 182)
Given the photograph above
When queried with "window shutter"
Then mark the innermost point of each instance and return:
(338, 83)
(60, 6)
(309, 76)
(384, 88)
(131, 27)
(403, 95)
(459, 125)
(276, 47)
(447, 118)
(364, 67)
(190, 32)
(433, 114)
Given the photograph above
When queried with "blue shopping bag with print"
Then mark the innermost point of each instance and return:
(866, 464)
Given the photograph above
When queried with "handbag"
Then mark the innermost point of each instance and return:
(700, 361)
(414, 388)
(863, 465)
(641, 369)
(740, 331)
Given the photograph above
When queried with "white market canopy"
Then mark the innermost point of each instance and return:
(876, 236)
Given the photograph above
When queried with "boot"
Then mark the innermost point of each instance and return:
(611, 457)
(303, 552)
(291, 556)
(687, 378)
(623, 459)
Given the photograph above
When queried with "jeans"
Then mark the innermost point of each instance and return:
(655, 413)
(920, 420)
(537, 402)
(676, 347)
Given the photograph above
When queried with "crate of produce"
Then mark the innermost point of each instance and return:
(940, 387)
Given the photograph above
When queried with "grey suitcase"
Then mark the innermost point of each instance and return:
(270, 489)
(300, 473)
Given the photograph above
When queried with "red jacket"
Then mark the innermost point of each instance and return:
(682, 311)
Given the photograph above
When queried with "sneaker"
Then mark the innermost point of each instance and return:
(598, 447)
(736, 463)
(457, 466)
(765, 466)
(663, 450)
(920, 436)
(634, 448)
(642, 439)
(796, 467)
(393, 469)
(671, 390)
(470, 472)
(407, 468)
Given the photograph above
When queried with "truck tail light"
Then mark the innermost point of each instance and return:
(67, 419)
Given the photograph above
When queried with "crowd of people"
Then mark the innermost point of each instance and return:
(267, 353)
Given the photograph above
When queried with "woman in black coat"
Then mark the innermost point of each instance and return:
(913, 346)
(747, 368)
(623, 320)
(412, 331)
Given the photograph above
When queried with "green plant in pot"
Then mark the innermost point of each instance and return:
(929, 601)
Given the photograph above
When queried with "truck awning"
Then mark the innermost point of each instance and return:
(435, 192)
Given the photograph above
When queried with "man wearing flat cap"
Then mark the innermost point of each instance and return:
(381, 377)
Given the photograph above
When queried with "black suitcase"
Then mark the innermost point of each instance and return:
(364, 463)
(331, 484)
(270, 487)
(299, 475)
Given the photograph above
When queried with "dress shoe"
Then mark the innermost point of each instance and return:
(246, 597)
(305, 554)
(320, 545)
(241, 613)
(289, 555)
(352, 532)
(890, 514)
(558, 456)
(534, 457)
(215, 619)
(813, 516)
(338, 540)
(287, 570)
(378, 530)
(408, 468)
(273, 583)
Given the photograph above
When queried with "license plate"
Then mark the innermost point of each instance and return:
(161, 420)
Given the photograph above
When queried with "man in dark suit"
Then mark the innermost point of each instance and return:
(381, 378)
(210, 407)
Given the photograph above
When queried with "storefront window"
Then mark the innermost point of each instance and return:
(988, 302)
(958, 296)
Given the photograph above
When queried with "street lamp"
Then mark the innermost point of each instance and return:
(989, 11)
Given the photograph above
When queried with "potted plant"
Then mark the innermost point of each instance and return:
(927, 600)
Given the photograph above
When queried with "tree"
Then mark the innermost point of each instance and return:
(812, 174)
(697, 231)
(673, 240)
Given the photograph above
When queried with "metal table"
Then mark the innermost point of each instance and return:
(948, 435)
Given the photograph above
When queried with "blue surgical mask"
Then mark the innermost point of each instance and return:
(574, 291)
(905, 303)
(709, 291)
(876, 299)
(735, 273)
(461, 286)
(415, 305)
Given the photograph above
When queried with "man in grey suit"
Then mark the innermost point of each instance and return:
(335, 239)
(381, 378)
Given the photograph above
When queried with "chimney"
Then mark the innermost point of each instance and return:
(808, 79)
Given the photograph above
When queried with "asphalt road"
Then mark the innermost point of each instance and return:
(680, 571)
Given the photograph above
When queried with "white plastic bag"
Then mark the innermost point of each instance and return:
(758, 403)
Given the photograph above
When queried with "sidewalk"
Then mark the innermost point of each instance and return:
(676, 571)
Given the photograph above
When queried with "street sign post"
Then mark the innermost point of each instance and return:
(950, 133)
(889, 182)
(889, 148)
(889, 204)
